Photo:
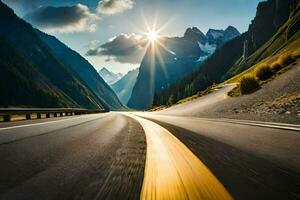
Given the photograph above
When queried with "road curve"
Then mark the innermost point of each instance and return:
(173, 172)
(252, 162)
(200, 104)
(104, 156)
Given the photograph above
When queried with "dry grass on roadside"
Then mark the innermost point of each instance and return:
(264, 72)
(286, 59)
(248, 84)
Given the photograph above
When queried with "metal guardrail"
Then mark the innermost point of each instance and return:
(13, 114)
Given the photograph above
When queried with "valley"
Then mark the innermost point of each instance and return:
(150, 100)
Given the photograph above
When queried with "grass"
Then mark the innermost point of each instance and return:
(264, 72)
(187, 99)
(248, 84)
(286, 59)
(208, 90)
(157, 108)
(276, 67)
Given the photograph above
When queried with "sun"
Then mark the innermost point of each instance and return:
(152, 36)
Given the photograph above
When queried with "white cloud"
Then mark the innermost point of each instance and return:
(66, 19)
(110, 7)
(122, 48)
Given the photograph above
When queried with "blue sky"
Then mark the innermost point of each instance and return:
(97, 23)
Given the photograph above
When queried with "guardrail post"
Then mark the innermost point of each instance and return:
(6, 118)
(38, 115)
(28, 116)
(47, 115)
(55, 114)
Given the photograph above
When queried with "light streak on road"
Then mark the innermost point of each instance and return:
(173, 172)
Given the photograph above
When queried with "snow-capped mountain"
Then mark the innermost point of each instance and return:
(219, 37)
(178, 57)
(212, 40)
(109, 77)
(195, 34)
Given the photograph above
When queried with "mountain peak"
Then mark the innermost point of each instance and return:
(195, 34)
(109, 77)
(232, 30)
(214, 33)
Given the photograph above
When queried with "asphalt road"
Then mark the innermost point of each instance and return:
(201, 104)
(106, 156)
(87, 157)
(252, 162)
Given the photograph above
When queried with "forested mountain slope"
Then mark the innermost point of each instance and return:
(37, 73)
(83, 69)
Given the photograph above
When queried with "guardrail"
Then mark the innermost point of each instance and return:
(15, 114)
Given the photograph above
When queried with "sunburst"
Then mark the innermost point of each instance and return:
(152, 36)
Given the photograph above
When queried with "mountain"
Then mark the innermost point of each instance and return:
(21, 84)
(123, 87)
(220, 37)
(109, 77)
(162, 66)
(270, 17)
(210, 71)
(167, 63)
(83, 69)
(274, 31)
(194, 34)
(31, 75)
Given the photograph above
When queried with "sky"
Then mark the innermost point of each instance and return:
(110, 33)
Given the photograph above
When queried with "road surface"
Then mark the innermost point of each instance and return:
(87, 157)
(141, 155)
(198, 105)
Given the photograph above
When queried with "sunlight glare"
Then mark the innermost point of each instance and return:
(152, 36)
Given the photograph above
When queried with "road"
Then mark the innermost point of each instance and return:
(87, 157)
(147, 156)
(204, 103)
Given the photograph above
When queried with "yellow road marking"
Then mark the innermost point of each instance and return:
(172, 171)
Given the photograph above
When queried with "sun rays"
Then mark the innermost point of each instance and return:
(152, 36)
(155, 46)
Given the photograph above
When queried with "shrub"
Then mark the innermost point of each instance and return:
(286, 59)
(171, 101)
(248, 84)
(264, 72)
(276, 67)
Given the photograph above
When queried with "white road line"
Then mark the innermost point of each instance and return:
(283, 126)
(292, 127)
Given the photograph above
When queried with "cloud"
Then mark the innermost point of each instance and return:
(77, 18)
(123, 48)
(110, 7)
